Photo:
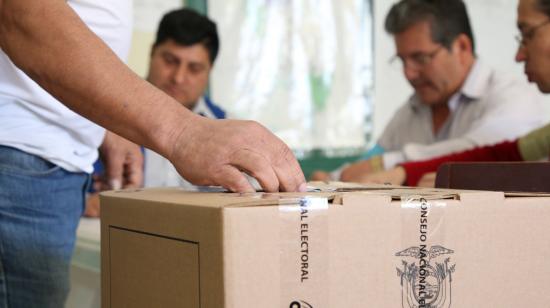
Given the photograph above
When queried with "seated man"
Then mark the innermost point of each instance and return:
(182, 57)
(533, 21)
(181, 60)
(458, 102)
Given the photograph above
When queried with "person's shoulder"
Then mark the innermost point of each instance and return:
(206, 108)
(502, 84)
(216, 110)
(504, 91)
(410, 107)
(406, 114)
(503, 79)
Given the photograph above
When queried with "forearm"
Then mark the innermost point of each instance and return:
(418, 152)
(504, 151)
(415, 151)
(48, 41)
(535, 145)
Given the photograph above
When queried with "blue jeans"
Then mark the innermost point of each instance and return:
(40, 207)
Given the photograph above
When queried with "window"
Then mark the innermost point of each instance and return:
(304, 69)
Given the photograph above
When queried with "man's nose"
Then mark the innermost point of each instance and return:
(411, 72)
(521, 54)
(180, 74)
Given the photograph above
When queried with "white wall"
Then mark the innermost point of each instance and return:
(493, 23)
(147, 15)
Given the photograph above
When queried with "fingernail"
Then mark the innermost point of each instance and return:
(115, 184)
(302, 187)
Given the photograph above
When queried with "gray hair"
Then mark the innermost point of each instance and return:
(447, 18)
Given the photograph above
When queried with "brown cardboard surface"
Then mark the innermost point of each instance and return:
(482, 249)
(175, 262)
(199, 224)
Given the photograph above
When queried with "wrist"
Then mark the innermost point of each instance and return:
(401, 175)
(167, 136)
(377, 163)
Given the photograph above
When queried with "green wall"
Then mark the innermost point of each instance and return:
(198, 5)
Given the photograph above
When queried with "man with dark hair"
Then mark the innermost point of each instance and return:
(182, 58)
(187, 27)
(458, 101)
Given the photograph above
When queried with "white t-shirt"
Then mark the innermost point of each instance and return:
(33, 121)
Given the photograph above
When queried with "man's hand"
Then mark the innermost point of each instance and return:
(216, 152)
(91, 208)
(357, 171)
(123, 162)
(204, 151)
(92, 205)
(320, 176)
(427, 180)
(395, 176)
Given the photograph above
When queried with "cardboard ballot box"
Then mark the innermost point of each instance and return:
(341, 247)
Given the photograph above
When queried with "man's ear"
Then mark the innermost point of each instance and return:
(463, 44)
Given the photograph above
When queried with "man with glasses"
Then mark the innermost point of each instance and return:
(458, 102)
(534, 41)
(533, 51)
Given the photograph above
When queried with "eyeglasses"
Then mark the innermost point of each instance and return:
(524, 38)
(417, 60)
